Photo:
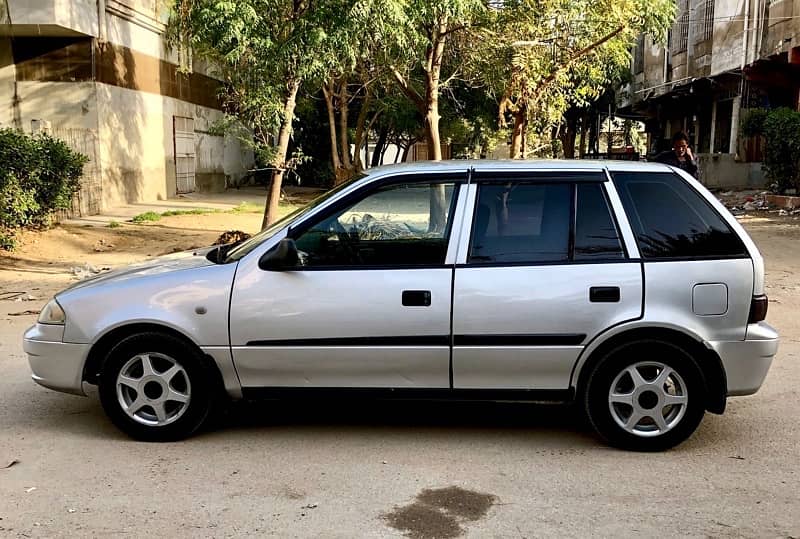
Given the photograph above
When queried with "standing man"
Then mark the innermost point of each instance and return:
(680, 155)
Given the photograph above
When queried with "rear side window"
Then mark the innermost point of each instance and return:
(672, 220)
(596, 236)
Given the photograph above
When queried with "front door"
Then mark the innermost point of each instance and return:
(368, 304)
(545, 271)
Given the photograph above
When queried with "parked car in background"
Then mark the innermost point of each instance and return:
(626, 287)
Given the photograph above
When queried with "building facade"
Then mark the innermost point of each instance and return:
(722, 58)
(98, 73)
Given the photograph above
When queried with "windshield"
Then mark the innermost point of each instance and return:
(248, 245)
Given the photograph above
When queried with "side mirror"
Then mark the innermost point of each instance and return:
(281, 257)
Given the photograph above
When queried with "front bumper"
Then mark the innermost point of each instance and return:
(746, 362)
(55, 364)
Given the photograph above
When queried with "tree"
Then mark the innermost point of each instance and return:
(561, 52)
(430, 26)
(263, 51)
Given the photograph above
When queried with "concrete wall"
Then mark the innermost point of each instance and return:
(728, 35)
(783, 27)
(137, 150)
(64, 104)
(7, 77)
(722, 171)
(132, 24)
(77, 16)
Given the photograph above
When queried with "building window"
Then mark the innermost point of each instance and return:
(704, 25)
(680, 32)
(638, 55)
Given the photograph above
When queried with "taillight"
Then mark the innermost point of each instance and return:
(758, 309)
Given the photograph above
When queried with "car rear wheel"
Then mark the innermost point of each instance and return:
(645, 396)
(155, 387)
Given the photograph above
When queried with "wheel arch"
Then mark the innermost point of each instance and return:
(707, 359)
(100, 349)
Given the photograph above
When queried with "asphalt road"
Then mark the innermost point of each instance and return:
(323, 469)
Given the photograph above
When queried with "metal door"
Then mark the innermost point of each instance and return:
(519, 322)
(184, 154)
(372, 323)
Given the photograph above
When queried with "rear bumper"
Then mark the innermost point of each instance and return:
(55, 365)
(746, 362)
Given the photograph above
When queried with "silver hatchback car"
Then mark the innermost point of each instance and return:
(625, 287)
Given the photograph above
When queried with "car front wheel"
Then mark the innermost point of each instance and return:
(645, 396)
(155, 387)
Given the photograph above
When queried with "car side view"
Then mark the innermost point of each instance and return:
(625, 287)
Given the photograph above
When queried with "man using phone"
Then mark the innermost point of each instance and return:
(680, 155)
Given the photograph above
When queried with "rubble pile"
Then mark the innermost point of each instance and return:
(746, 202)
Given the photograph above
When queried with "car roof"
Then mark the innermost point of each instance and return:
(516, 165)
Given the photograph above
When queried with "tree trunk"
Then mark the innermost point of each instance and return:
(568, 137)
(518, 142)
(327, 91)
(366, 151)
(274, 195)
(584, 126)
(406, 151)
(593, 148)
(344, 139)
(361, 129)
(432, 133)
(377, 153)
(437, 214)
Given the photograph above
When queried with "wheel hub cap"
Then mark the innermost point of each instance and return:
(153, 389)
(648, 398)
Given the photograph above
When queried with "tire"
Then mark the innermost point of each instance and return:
(157, 388)
(624, 408)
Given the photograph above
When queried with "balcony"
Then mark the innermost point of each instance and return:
(50, 18)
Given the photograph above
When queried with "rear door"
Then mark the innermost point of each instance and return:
(544, 271)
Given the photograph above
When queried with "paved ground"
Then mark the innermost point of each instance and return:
(324, 469)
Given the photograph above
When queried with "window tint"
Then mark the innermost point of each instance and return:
(596, 236)
(399, 225)
(517, 222)
(671, 220)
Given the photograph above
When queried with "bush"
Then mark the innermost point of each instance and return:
(753, 122)
(782, 154)
(38, 175)
(146, 217)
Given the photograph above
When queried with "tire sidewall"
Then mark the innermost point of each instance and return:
(604, 374)
(190, 360)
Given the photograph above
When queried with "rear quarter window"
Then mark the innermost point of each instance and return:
(671, 220)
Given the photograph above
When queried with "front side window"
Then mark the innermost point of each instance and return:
(671, 220)
(518, 222)
(398, 225)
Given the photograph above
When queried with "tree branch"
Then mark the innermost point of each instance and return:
(578, 54)
(408, 90)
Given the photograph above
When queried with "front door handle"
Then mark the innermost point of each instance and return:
(416, 298)
(604, 294)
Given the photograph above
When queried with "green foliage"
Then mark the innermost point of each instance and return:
(781, 157)
(148, 216)
(246, 207)
(193, 211)
(38, 176)
(114, 224)
(752, 123)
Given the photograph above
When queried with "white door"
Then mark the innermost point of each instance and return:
(368, 305)
(545, 272)
(184, 154)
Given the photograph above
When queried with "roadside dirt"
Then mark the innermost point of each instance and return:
(46, 261)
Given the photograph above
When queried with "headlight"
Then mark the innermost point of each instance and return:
(52, 313)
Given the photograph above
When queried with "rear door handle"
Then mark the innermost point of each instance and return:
(604, 294)
(416, 298)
